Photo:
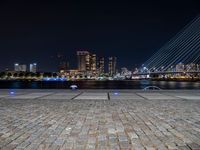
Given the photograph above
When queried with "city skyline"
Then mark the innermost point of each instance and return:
(131, 31)
(86, 62)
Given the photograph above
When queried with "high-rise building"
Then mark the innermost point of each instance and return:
(93, 63)
(20, 67)
(180, 67)
(110, 66)
(33, 67)
(112, 61)
(83, 60)
(191, 67)
(198, 67)
(88, 62)
(63, 66)
(101, 65)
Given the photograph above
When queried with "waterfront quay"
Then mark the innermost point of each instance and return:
(100, 119)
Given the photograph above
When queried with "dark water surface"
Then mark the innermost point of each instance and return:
(98, 84)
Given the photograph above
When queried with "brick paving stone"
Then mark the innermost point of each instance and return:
(23, 145)
(194, 146)
(184, 148)
(114, 147)
(139, 124)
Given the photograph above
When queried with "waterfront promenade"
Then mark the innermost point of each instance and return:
(100, 119)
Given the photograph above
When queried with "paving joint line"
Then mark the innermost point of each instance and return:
(108, 94)
(141, 96)
(76, 96)
(44, 96)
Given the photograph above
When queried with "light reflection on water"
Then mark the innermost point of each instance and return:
(99, 84)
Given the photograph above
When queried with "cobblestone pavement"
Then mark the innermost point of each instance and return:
(53, 120)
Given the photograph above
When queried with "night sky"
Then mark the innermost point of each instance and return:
(132, 31)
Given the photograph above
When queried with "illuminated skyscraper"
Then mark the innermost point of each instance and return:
(180, 67)
(191, 67)
(198, 67)
(63, 63)
(93, 63)
(19, 67)
(101, 65)
(112, 61)
(63, 66)
(83, 60)
(33, 67)
(88, 62)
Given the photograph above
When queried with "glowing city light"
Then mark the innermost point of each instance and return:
(73, 87)
(116, 93)
(11, 92)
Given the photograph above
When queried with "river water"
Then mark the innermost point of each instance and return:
(132, 84)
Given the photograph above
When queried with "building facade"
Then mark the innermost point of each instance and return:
(93, 63)
(87, 62)
(83, 60)
(101, 63)
(20, 67)
(33, 67)
(112, 62)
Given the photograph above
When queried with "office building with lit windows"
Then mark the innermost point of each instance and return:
(33, 67)
(112, 61)
(83, 60)
(20, 67)
(93, 63)
(101, 63)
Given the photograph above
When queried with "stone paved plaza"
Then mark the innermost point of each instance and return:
(94, 119)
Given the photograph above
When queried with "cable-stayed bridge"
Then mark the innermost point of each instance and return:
(180, 54)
